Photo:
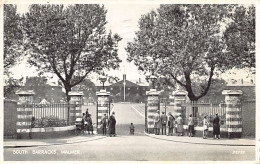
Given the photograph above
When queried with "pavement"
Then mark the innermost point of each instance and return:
(208, 141)
(17, 143)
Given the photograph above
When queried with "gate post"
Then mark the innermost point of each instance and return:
(179, 98)
(103, 107)
(152, 107)
(233, 113)
(24, 113)
(75, 106)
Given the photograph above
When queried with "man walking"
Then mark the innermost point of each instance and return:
(164, 122)
(104, 124)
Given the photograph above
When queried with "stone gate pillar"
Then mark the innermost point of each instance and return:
(24, 113)
(152, 107)
(103, 107)
(179, 98)
(233, 113)
(75, 106)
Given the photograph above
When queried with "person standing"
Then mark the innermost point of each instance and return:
(170, 123)
(157, 123)
(216, 127)
(112, 124)
(132, 128)
(205, 127)
(89, 124)
(191, 126)
(87, 114)
(180, 129)
(83, 123)
(104, 124)
(163, 122)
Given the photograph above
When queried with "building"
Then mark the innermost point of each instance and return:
(126, 90)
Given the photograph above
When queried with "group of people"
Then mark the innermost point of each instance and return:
(162, 121)
(87, 122)
(109, 123)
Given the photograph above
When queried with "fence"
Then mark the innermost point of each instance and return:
(199, 110)
(59, 112)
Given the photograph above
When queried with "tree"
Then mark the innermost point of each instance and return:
(10, 87)
(13, 36)
(240, 37)
(70, 41)
(184, 43)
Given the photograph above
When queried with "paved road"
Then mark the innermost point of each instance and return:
(130, 148)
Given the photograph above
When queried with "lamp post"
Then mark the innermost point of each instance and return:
(153, 80)
(103, 79)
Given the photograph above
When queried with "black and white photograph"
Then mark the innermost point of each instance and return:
(129, 81)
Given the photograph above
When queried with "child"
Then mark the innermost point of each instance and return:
(132, 128)
(205, 127)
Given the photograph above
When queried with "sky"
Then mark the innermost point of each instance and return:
(122, 19)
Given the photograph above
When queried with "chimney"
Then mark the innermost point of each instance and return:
(242, 81)
(139, 80)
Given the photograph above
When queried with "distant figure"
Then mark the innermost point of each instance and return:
(180, 129)
(83, 122)
(205, 127)
(87, 114)
(171, 120)
(163, 122)
(132, 129)
(157, 123)
(104, 124)
(89, 124)
(112, 124)
(191, 126)
(216, 127)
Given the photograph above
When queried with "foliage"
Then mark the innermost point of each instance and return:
(184, 43)
(240, 38)
(13, 36)
(70, 41)
(50, 121)
(10, 85)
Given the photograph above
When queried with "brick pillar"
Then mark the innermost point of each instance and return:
(179, 98)
(233, 113)
(24, 113)
(75, 106)
(102, 107)
(152, 107)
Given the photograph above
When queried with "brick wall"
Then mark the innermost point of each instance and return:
(248, 118)
(10, 117)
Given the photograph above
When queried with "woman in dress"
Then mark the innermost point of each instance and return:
(89, 124)
(205, 127)
(180, 129)
(191, 126)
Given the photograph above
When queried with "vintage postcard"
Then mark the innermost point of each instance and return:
(139, 81)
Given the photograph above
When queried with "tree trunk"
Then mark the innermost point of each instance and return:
(68, 89)
(188, 86)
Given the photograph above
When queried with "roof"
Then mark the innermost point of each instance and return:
(76, 93)
(25, 92)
